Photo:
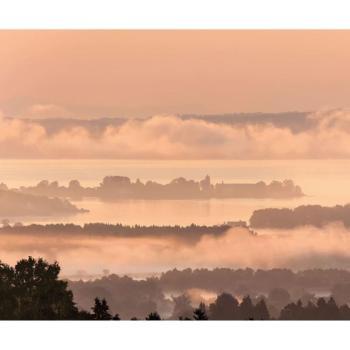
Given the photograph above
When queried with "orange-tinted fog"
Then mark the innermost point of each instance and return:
(169, 137)
(301, 248)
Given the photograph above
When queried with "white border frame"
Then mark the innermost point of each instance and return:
(179, 14)
(171, 14)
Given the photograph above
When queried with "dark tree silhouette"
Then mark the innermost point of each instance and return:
(32, 291)
(85, 316)
(332, 312)
(321, 310)
(260, 311)
(344, 312)
(224, 308)
(8, 300)
(200, 313)
(100, 310)
(153, 316)
(246, 309)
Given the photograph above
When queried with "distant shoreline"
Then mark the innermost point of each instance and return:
(121, 187)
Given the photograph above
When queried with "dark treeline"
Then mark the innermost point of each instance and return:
(241, 281)
(191, 232)
(314, 215)
(121, 187)
(278, 287)
(322, 309)
(126, 296)
(227, 307)
(31, 290)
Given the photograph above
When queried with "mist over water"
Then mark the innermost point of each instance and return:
(325, 182)
(301, 248)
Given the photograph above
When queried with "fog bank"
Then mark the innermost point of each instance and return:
(171, 137)
(302, 248)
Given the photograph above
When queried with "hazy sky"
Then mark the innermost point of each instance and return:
(141, 73)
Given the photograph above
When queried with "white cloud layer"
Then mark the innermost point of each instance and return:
(170, 137)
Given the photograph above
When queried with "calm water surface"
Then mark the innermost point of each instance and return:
(325, 182)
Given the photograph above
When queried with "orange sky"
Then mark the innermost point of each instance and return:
(140, 73)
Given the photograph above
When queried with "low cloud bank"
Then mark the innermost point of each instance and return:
(302, 248)
(171, 137)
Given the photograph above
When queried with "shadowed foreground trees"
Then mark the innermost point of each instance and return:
(200, 314)
(100, 310)
(31, 290)
(153, 316)
(227, 307)
(224, 308)
(321, 310)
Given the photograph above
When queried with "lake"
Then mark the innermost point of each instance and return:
(325, 182)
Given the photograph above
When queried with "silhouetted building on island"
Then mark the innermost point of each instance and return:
(121, 187)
